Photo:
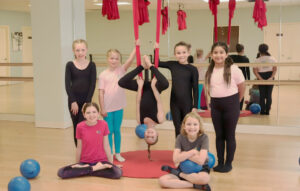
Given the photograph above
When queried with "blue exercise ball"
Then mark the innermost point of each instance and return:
(19, 183)
(140, 130)
(255, 108)
(30, 168)
(189, 167)
(211, 160)
(169, 116)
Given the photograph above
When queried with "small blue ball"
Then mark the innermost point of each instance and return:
(19, 183)
(140, 130)
(211, 160)
(30, 168)
(169, 116)
(255, 108)
(189, 167)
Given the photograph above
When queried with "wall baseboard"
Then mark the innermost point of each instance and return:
(251, 129)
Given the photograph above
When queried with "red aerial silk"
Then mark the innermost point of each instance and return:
(143, 11)
(231, 7)
(165, 19)
(181, 15)
(110, 9)
(158, 17)
(213, 6)
(259, 13)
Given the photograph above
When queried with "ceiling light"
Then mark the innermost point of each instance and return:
(119, 3)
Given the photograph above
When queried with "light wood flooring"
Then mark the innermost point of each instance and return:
(262, 162)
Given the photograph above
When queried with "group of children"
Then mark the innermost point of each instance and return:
(223, 81)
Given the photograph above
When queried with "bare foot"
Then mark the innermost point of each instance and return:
(100, 166)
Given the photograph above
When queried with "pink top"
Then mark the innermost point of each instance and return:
(92, 141)
(218, 86)
(114, 95)
(265, 59)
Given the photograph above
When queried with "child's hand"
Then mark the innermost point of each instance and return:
(140, 82)
(147, 61)
(137, 42)
(74, 108)
(153, 82)
(80, 165)
(195, 110)
(156, 45)
(103, 113)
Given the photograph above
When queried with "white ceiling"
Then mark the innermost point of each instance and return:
(23, 5)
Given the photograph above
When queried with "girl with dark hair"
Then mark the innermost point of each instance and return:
(225, 84)
(265, 73)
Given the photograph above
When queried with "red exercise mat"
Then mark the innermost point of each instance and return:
(137, 164)
(206, 113)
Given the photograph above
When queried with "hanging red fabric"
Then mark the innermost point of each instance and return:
(231, 7)
(213, 6)
(158, 17)
(110, 9)
(143, 11)
(165, 19)
(181, 15)
(259, 13)
(136, 32)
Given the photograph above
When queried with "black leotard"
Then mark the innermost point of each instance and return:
(184, 93)
(148, 104)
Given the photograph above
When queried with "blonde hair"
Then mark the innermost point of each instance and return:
(79, 41)
(114, 51)
(198, 52)
(195, 116)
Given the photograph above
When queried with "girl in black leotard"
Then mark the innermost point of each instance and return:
(184, 93)
(80, 80)
(149, 105)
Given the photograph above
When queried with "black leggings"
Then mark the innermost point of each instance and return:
(76, 118)
(225, 114)
(68, 172)
(265, 93)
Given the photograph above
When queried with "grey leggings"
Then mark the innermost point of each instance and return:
(68, 172)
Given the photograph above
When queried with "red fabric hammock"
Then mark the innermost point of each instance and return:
(165, 19)
(213, 6)
(231, 7)
(181, 15)
(143, 11)
(110, 9)
(259, 13)
(135, 5)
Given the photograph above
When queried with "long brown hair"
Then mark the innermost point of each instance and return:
(227, 65)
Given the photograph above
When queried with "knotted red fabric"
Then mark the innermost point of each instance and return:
(213, 6)
(158, 17)
(181, 15)
(231, 7)
(165, 19)
(110, 9)
(143, 11)
(259, 13)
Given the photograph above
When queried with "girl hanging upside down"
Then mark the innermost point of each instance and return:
(149, 105)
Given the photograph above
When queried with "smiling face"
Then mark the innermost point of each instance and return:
(80, 51)
(151, 136)
(91, 115)
(113, 59)
(192, 127)
(181, 54)
(219, 55)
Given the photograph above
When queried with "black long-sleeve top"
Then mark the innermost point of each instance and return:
(184, 82)
(242, 59)
(80, 84)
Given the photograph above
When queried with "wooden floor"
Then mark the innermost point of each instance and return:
(262, 162)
